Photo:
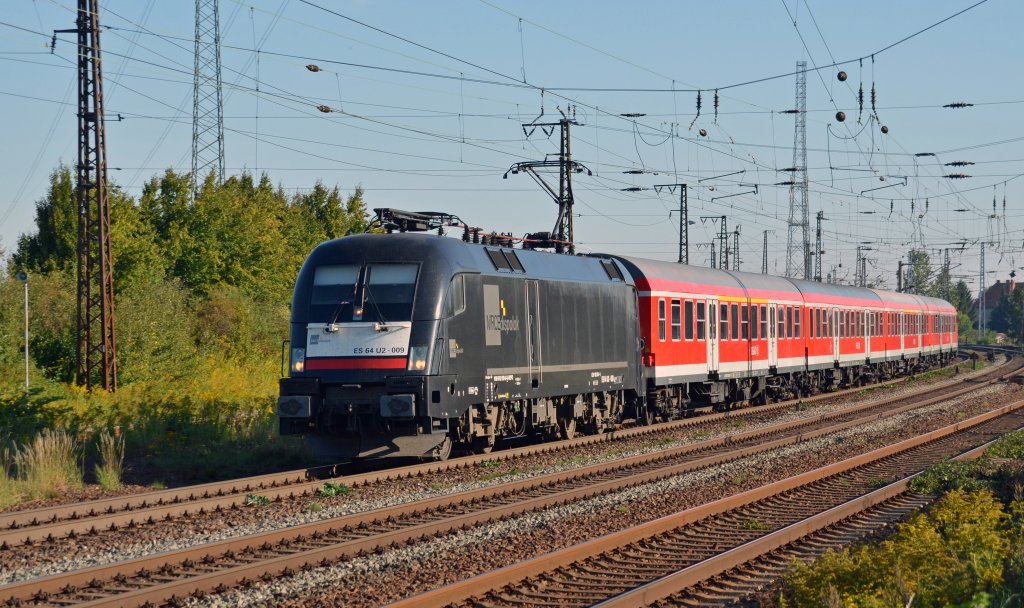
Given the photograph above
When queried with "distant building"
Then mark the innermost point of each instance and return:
(994, 294)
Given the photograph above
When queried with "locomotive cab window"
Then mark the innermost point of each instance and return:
(389, 292)
(333, 284)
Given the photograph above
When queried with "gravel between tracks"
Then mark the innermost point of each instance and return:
(22, 563)
(391, 575)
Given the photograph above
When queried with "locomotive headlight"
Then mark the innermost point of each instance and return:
(418, 357)
(298, 362)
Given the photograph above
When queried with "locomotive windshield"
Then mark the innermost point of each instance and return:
(378, 293)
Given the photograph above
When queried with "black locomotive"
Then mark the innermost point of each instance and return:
(405, 344)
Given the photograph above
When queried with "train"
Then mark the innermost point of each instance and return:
(410, 345)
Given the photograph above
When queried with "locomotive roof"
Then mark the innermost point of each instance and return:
(447, 256)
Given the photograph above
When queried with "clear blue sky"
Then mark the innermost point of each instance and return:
(442, 143)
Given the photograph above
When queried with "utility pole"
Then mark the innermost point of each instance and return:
(684, 219)
(764, 255)
(713, 263)
(798, 258)
(562, 234)
(23, 277)
(723, 239)
(817, 247)
(96, 356)
(981, 295)
(899, 276)
(207, 100)
(862, 266)
(736, 249)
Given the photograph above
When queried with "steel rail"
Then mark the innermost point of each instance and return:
(745, 577)
(37, 525)
(546, 492)
(480, 585)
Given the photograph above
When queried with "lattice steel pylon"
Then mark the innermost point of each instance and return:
(96, 357)
(207, 100)
(798, 259)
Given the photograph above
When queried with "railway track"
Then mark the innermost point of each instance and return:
(672, 560)
(111, 514)
(164, 577)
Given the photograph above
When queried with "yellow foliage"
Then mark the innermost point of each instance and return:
(946, 556)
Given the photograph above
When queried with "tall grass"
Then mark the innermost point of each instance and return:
(9, 492)
(48, 465)
(110, 468)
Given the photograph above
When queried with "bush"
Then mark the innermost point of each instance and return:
(958, 553)
(1010, 445)
(951, 475)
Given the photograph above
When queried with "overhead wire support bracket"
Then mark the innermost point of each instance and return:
(903, 177)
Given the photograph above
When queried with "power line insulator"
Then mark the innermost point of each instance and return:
(325, 109)
(703, 132)
(841, 116)
(885, 130)
(841, 76)
(313, 67)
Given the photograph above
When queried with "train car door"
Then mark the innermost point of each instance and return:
(773, 339)
(834, 325)
(533, 341)
(712, 341)
(866, 330)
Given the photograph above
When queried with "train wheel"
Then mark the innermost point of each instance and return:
(567, 428)
(443, 451)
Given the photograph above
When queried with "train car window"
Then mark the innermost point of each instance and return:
(844, 319)
(781, 317)
(745, 322)
(824, 324)
(764, 321)
(612, 270)
(711, 322)
(676, 333)
(796, 321)
(456, 302)
(723, 320)
(753, 323)
(735, 317)
(688, 319)
(789, 322)
(661, 319)
(389, 292)
(700, 320)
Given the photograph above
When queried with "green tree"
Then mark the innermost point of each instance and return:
(963, 300)
(919, 272)
(54, 244)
